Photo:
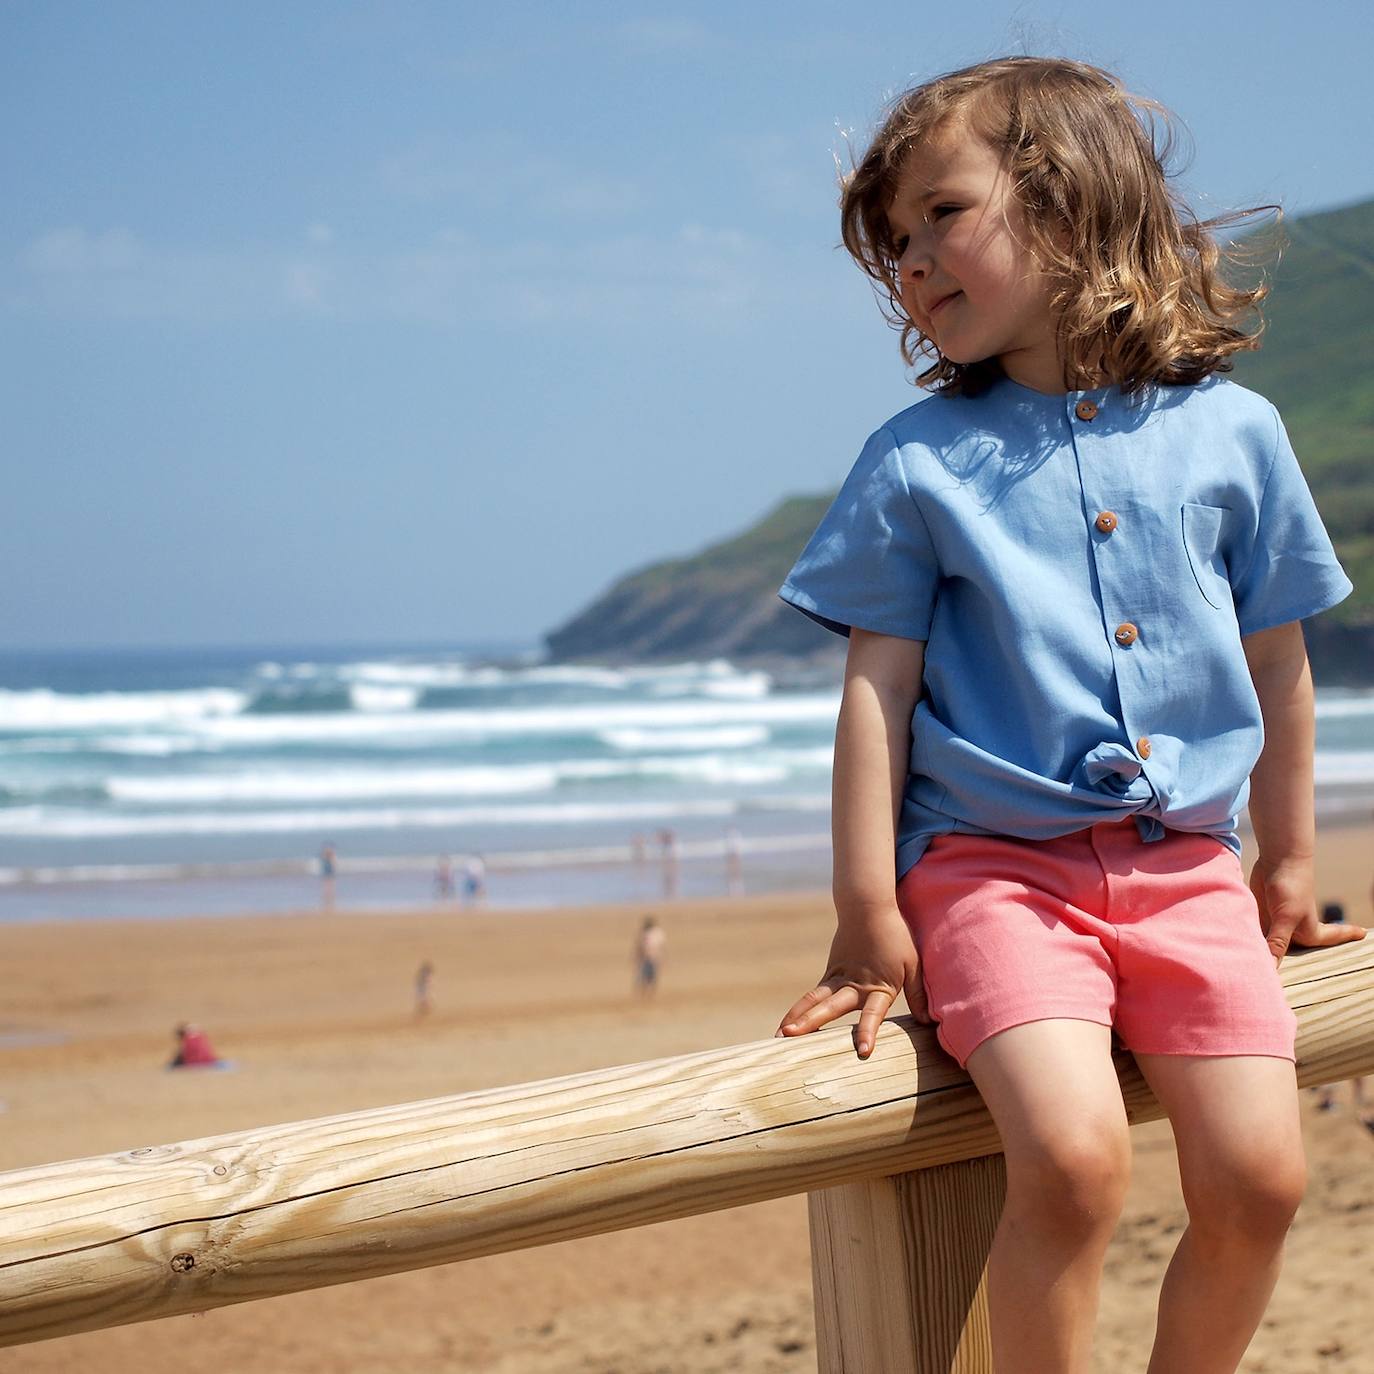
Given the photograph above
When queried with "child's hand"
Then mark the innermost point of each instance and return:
(872, 959)
(1286, 894)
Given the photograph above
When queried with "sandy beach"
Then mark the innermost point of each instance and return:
(317, 1014)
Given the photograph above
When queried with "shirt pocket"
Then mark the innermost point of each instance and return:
(1202, 542)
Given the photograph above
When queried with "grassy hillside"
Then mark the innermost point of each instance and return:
(1316, 365)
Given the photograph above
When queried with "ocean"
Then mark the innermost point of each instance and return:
(183, 782)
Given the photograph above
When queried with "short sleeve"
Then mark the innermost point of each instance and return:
(870, 564)
(1292, 571)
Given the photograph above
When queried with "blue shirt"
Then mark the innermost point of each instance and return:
(1081, 568)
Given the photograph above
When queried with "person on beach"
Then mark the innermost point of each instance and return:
(329, 867)
(424, 989)
(443, 879)
(1072, 581)
(648, 955)
(670, 856)
(1333, 913)
(194, 1050)
(474, 880)
(734, 861)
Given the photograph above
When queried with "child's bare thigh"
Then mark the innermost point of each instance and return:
(1052, 1089)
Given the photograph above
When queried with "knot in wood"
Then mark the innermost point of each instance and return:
(183, 1262)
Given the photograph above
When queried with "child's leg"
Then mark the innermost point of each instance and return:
(1240, 1158)
(1053, 1092)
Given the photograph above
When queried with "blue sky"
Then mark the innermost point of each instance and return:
(330, 323)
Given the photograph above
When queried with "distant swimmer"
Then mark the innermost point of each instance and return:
(671, 857)
(648, 956)
(329, 868)
(734, 861)
(443, 879)
(474, 880)
(640, 869)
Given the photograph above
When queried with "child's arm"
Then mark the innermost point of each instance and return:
(1281, 810)
(872, 957)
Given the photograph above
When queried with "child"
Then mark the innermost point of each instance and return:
(424, 989)
(648, 955)
(1072, 582)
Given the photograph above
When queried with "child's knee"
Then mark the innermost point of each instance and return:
(1075, 1180)
(1253, 1203)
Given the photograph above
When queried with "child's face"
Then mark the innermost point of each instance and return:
(967, 280)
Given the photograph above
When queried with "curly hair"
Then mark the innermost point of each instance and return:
(1136, 290)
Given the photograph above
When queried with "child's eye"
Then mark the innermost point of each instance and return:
(939, 208)
(899, 245)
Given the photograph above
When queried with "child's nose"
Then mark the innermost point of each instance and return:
(914, 263)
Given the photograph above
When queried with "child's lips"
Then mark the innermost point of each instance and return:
(941, 303)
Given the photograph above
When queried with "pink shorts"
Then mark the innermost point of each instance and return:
(1161, 941)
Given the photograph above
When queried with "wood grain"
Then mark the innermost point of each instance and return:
(898, 1270)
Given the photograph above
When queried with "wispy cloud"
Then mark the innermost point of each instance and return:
(74, 271)
(501, 177)
(646, 37)
(695, 272)
(307, 284)
(72, 251)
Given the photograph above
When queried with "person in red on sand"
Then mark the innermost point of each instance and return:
(194, 1050)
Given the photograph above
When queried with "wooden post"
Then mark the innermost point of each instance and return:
(898, 1270)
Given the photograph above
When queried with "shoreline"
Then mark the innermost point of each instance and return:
(773, 865)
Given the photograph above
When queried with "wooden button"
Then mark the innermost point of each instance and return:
(1126, 633)
(1106, 522)
(1142, 746)
(1086, 410)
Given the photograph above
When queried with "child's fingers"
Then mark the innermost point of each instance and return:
(1325, 935)
(1279, 932)
(818, 1007)
(803, 1004)
(1347, 933)
(916, 1001)
(876, 1007)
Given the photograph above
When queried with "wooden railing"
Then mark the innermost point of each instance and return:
(897, 1152)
